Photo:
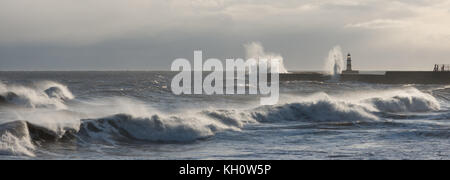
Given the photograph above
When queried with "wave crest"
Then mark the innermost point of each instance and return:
(318, 111)
(15, 139)
(21, 137)
(45, 94)
(155, 128)
(410, 100)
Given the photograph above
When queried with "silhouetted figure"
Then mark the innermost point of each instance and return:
(443, 67)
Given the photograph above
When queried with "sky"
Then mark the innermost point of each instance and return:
(150, 34)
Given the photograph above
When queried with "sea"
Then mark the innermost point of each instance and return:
(135, 115)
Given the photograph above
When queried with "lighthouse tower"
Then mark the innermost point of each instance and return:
(349, 69)
(349, 62)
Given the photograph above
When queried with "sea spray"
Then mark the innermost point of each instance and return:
(403, 100)
(15, 139)
(255, 50)
(334, 63)
(137, 122)
(121, 119)
(55, 90)
(42, 95)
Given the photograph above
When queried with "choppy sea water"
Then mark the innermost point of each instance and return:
(134, 115)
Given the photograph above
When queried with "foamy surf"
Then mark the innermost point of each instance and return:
(50, 113)
(16, 140)
(44, 94)
(123, 127)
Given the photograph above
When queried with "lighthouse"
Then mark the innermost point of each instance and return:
(349, 69)
(349, 62)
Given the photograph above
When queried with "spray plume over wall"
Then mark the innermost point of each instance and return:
(256, 51)
(334, 64)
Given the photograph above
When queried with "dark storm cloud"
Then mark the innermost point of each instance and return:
(148, 35)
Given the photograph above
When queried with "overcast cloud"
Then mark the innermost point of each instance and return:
(150, 34)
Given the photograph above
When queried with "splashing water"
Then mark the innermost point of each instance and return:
(335, 62)
(151, 123)
(256, 51)
(44, 94)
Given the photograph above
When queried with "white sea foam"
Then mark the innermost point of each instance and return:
(154, 128)
(316, 111)
(357, 106)
(117, 118)
(405, 104)
(111, 118)
(255, 50)
(15, 140)
(334, 63)
(45, 95)
(15, 146)
(141, 124)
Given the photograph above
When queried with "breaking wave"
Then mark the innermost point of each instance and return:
(409, 100)
(44, 94)
(21, 137)
(316, 111)
(15, 140)
(322, 107)
(137, 123)
(155, 128)
(192, 126)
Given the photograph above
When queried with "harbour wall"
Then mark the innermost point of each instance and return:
(390, 77)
